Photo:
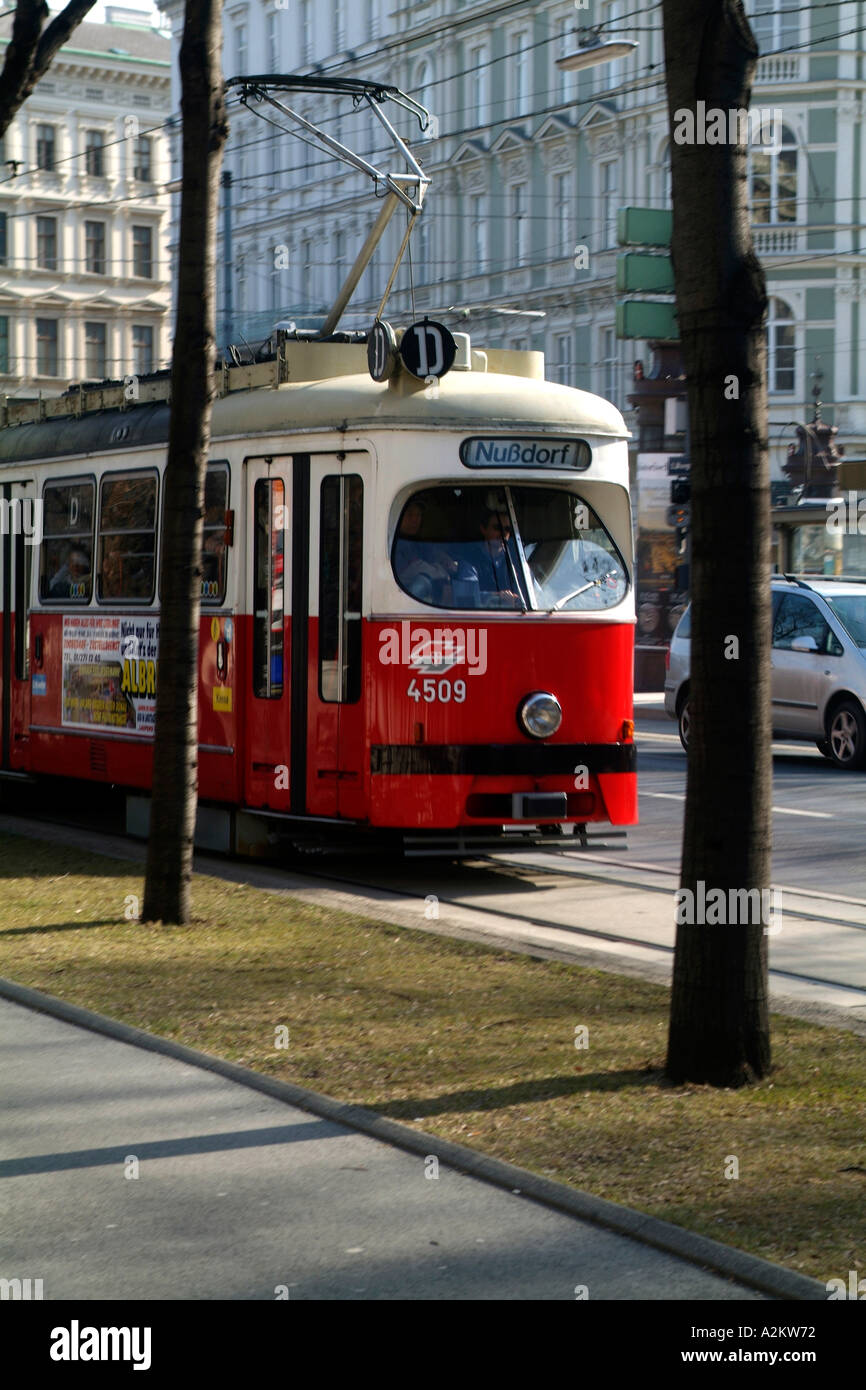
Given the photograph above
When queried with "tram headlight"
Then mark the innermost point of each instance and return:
(540, 715)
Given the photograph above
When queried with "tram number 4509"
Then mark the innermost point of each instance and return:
(443, 691)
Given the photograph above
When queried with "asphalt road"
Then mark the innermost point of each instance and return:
(819, 821)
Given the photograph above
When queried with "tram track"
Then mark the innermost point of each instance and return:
(557, 937)
(613, 937)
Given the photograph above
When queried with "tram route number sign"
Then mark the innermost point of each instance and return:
(428, 349)
(381, 351)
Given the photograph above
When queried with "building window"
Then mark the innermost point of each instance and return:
(566, 42)
(780, 347)
(272, 41)
(4, 239)
(773, 180)
(306, 18)
(94, 351)
(563, 359)
(46, 147)
(46, 243)
(667, 178)
(142, 252)
(4, 344)
(478, 78)
(339, 258)
(479, 234)
(422, 251)
(47, 359)
(610, 75)
(94, 248)
(776, 23)
(142, 349)
(609, 384)
(520, 71)
(308, 270)
(373, 19)
(142, 168)
(241, 48)
(339, 26)
(608, 203)
(94, 154)
(519, 223)
(424, 85)
(561, 218)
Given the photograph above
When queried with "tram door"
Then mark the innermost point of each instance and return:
(268, 669)
(337, 757)
(20, 534)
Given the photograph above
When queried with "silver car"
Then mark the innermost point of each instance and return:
(819, 667)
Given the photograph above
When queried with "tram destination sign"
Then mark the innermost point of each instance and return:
(499, 451)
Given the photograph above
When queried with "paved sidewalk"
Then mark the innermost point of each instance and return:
(239, 1193)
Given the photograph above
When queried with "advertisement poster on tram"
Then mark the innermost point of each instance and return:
(109, 672)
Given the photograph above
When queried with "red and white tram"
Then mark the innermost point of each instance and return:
(417, 599)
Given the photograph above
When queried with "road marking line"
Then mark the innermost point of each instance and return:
(777, 810)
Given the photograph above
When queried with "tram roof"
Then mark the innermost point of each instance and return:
(466, 401)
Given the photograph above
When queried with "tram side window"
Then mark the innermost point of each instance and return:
(66, 568)
(214, 553)
(269, 503)
(340, 588)
(127, 537)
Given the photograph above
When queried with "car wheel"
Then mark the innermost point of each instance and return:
(684, 720)
(846, 735)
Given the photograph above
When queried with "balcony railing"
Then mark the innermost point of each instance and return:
(784, 67)
(777, 241)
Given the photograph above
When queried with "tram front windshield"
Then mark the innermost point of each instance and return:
(511, 547)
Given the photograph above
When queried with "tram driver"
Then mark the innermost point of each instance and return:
(492, 564)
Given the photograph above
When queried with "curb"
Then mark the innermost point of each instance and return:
(750, 1270)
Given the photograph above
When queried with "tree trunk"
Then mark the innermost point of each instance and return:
(175, 754)
(719, 1024)
(33, 45)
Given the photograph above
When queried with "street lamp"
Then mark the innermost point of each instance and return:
(594, 49)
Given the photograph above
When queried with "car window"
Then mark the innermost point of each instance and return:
(797, 617)
(850, 609)
(684, 626)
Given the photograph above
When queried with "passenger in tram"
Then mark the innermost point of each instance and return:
(424, 568)
(74, 569)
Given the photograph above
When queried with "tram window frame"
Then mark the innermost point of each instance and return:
(112, 476)
(265, 687)
(23, 565)
(83, 599)
(349, 607)
(522, 579)
(214, 467)
(219, 600)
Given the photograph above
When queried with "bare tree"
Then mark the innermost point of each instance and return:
(175, 762)
(719, 1025)
(32, 49)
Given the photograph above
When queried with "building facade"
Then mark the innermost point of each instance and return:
(84, 268)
